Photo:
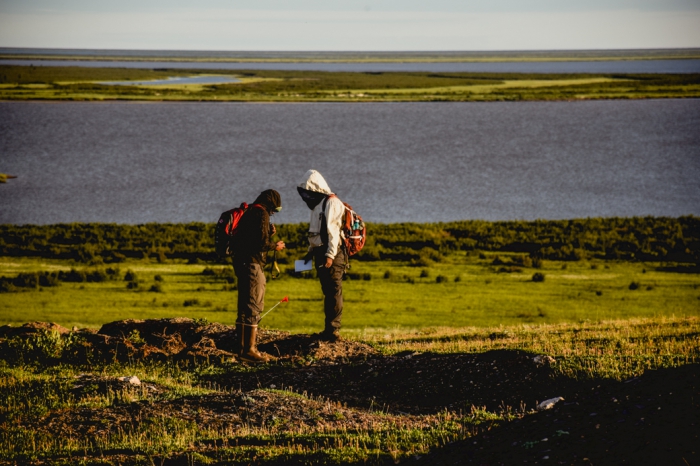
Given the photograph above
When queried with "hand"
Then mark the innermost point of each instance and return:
(329, 262)
(279, 246)
(307, 258)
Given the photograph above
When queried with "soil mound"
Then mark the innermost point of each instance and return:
(181, 339)
(415, 383)
(31, 328)
(652, 419)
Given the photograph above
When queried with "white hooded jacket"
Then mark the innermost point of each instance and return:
(335, 209)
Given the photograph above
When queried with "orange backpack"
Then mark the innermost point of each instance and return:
(354, 228)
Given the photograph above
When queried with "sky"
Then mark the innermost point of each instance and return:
(343, 25)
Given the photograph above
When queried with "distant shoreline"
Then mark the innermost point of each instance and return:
(349, 57)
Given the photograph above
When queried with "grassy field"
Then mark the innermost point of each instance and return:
(76, 83)
(438, 352)
(465, 289)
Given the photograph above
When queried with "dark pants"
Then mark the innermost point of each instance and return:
(332, 286)
(251, 292)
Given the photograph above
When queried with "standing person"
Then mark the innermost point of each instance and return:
(327, 248)
(253, 241)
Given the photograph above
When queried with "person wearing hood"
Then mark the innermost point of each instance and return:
(326, 247)
(253, 241)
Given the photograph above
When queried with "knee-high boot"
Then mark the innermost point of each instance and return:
(249, 352)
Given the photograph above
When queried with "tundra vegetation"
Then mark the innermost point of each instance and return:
(443, 323)
(82, 83)
(408, 275)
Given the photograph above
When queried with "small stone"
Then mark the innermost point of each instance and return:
(548, 404)
(132, 380)
(543, 359)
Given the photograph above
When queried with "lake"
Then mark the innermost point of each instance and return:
(176, 81)
(597, 67)
(394, 162)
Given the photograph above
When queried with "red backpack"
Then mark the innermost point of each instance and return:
(354, 228)
(225, 230)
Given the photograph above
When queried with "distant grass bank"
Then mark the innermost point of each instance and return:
(79, 83)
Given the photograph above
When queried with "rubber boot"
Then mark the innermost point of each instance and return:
(330, 335)
(250, 351)
(238, 344)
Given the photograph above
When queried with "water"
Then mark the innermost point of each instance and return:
(176, 80)
(596, 67)
(394, 162)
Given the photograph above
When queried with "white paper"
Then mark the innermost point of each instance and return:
(300, 266)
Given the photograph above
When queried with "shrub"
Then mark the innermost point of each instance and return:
(424, 273)
(538, 277)
(634, 286)
(388, 275)
(96, 276)
(49, 279)
(156, 288)
(75, 276)
(191, 302)
(130, 276)
(132, 285)
(440, 279)
(158, 278)
(497, 261)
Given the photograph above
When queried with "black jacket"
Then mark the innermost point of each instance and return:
(253, 239)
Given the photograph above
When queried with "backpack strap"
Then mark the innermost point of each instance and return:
(324, 229)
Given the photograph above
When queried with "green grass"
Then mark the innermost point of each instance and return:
(29, 394)
(76, 83)
(484, 295)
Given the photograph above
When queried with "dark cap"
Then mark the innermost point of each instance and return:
(270, 199)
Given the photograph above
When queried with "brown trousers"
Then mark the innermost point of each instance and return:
(332, 286)
(251, 292)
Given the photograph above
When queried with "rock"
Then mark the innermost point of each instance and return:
(544, 360)
(548, 404)
(132, 380)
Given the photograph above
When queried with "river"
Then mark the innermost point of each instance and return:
(394, 162)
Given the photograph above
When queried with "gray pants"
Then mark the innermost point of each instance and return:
(251, 292)
(332, 286)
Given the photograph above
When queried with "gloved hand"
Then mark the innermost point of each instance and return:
(309, 255)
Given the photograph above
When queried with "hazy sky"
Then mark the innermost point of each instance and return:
(350, 25)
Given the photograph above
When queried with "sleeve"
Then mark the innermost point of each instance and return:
(335, 211)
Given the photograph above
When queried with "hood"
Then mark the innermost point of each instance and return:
(314, 181)
(270, 199)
